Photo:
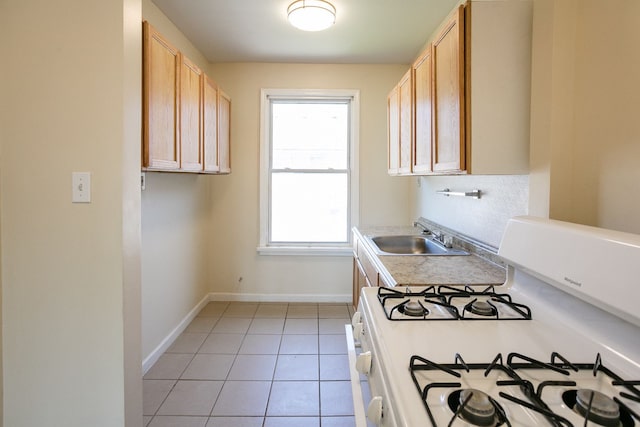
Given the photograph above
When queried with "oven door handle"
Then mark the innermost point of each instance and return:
(356, 388)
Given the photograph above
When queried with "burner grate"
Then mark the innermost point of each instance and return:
(451, 304)
(484, 304)
(531, 398)
(397, 305)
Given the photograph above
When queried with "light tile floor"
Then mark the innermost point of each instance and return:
(242, 364)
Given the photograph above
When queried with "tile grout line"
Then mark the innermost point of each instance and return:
(232, 363)
(319, 375)
(318, 318)
(183, 371)
(266, 407)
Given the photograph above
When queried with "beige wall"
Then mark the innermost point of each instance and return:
(175, 221)
(585, 132)
(606, 175)
(131, 210)
(151, 13)
(235, 198)
(175, 224)
(552, 115)
(1, 274)
(70, 102)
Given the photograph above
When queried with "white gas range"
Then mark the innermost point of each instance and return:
(558, 344)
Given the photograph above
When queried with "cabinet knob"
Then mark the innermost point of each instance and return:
(363, 363)
(357, 316)
(374, 411)
(358, 331)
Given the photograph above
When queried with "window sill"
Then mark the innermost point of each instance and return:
(305, 250)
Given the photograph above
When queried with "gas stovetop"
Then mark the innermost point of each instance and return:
(450, 303)
(573, 360)
(522, 391)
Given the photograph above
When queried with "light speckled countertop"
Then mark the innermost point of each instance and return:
(430, 270)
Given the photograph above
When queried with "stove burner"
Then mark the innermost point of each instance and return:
(482, 308)
(413, 308)
(597, 407)
(475, 407)
(604, 411)
(485, 304)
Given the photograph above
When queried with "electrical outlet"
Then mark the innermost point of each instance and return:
(81, 187)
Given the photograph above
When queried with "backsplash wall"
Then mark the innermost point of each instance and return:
(484, 219)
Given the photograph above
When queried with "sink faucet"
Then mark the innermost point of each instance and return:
(447, 241)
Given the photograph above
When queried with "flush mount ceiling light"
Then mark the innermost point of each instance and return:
(311, 15)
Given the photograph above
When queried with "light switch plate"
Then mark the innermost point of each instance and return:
(81, 187)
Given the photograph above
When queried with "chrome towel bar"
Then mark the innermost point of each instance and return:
(474, 194)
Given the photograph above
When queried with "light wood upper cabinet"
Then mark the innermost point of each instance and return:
(400, 129)
(161, 91)
(224, 132)
(191, 103)
(448, 96)
(423, 112)
(210, 122)
(186, 117)
(405, 93)
(393, 131)
(471, 94)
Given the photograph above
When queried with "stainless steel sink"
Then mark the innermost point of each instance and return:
(410, 245)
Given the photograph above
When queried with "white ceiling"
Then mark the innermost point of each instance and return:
(366, 31)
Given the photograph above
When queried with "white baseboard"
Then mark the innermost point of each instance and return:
(230, 296)
(152, 358)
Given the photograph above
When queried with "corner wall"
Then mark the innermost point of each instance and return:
(606, 175)
(3, 25)
(585, 102)
(552, 115)
(131, 211)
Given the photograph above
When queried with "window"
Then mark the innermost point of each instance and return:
(308, 179)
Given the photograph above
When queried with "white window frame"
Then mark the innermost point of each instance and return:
(266, 95)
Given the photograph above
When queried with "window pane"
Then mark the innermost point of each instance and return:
(309, 207)
(309, 135)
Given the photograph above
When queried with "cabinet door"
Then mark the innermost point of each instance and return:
(210, 124)
(224, 132)
(393, 129)
(369, 268)
(448, 68)
(423, 112)
(357, 274)
(405, 92)
(161, 77)
(191, 157)
(360, 281)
